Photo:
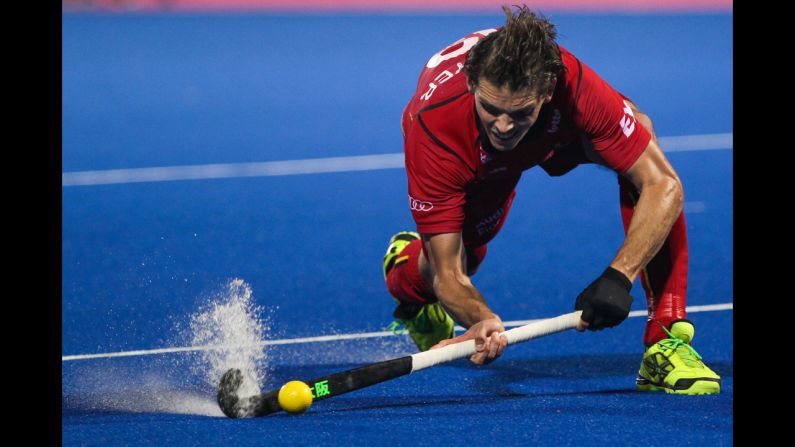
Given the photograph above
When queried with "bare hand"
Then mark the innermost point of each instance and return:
(489, 343)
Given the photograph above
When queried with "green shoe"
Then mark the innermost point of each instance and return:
(673, 366)
(396, 245)
(429, 325)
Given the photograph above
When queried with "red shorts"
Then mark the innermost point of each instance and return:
(406, 283)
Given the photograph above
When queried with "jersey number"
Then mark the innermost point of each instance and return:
(456, 49)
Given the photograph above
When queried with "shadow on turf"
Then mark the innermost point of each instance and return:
(501, 375)
(416, 401)
(588, 366)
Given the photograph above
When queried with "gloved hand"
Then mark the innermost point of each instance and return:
(606, 301)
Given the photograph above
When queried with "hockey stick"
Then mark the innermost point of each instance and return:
(354, 379)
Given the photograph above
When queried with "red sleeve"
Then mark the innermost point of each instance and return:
(436, 188)
(604, 115)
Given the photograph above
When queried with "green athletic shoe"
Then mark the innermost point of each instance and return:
(673, 366)
(429, 325)
(396, 245)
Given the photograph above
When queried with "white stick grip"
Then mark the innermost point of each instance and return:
(519, 334)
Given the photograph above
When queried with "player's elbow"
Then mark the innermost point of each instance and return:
(673, 193)
(679, 196)
(645, 121)
(446, 283)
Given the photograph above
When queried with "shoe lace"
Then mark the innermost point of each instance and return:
(396, 328)
(688, 354)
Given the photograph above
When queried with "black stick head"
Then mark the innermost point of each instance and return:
(227, 393)
(234, 406)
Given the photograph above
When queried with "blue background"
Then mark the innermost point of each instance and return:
(165, 90)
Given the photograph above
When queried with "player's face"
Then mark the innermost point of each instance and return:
(507, 115)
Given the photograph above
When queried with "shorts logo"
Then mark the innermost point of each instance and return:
(628, 121)
(419, 205)
(555, 122)
(489, 223)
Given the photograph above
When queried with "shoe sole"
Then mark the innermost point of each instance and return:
(699, 387)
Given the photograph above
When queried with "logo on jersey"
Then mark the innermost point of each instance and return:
(489, 223)
(555, 122)
(628, 121)
(419, 205)
(484, 156)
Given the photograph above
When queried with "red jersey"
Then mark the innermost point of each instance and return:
(455, 184)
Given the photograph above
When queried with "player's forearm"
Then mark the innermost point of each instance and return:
(462, 300)
(655, 213)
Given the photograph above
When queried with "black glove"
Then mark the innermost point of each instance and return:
(606, 301)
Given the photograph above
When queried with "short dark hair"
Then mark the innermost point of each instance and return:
(521, 54)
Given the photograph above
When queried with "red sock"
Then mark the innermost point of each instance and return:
(665, 277)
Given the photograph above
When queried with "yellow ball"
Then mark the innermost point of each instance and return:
(295, 397)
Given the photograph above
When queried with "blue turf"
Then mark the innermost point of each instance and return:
(143, 91)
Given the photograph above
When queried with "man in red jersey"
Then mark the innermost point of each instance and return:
(487, 108)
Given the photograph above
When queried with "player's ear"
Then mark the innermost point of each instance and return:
(548, 95)
(471, 87)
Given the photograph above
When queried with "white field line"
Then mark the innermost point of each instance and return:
(687, 143)
(337, 337)
(695, 207)
(721, 141)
